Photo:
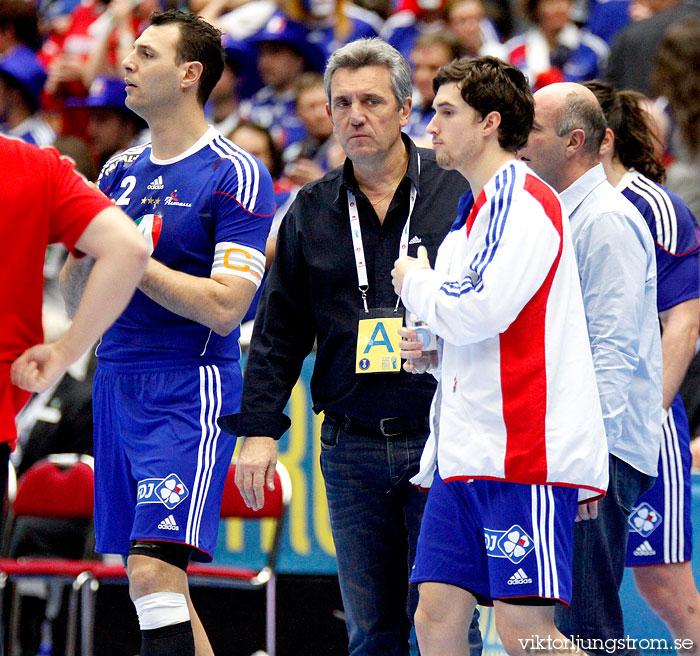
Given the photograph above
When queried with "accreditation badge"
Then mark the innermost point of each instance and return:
(378, 341)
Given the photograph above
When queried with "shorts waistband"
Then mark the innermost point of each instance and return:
(187, 364)
(386, 427)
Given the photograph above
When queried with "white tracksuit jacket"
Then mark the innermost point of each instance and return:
(517, 397)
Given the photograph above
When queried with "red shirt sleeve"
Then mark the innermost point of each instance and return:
(74, 204)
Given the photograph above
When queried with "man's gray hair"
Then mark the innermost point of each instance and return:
(372, 52)
(580, 113)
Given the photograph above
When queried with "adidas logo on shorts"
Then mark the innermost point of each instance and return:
(169, 524)
(519, 578)
(644, 549)
(157, 183)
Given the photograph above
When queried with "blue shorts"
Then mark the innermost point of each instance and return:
(660, 527)
(160, 458)
(498, 540)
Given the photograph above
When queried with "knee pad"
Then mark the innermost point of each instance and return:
(172, 553)
(161, 609)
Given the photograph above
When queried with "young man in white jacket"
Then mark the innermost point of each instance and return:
(517, 435)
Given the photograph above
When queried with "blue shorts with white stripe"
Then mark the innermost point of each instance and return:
(498, 540)
(160, 458)
(660, 527)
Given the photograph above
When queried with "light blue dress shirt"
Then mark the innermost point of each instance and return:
(616, 262)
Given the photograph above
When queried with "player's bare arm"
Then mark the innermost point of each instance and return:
(72, 281)
(678, 339)
(219, 302)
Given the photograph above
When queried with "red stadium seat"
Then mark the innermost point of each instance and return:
(212, 575)
(61, 487)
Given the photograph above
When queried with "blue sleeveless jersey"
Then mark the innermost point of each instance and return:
(206, 211)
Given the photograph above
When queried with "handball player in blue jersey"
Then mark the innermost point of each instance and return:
(170, 364)
(660, 529)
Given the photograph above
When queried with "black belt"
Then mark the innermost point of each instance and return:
(385, 427)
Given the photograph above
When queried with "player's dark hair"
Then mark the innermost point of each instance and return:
(489, 85)
(199, 41)
(625, 116)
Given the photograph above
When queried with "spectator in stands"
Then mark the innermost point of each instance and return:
(308, 159)
(333, 23)
(18, 26)
(111, 127)
(284, 53)
(21, 80)
(259, 142)
(222, 107)
(66, 59)
(403, 28)
(677, 77)
(55, 15)
(466, 19)
(420, 16)
(554, 49)
(77, 150)
(632, 55)
(95, 41)
(605, 18)
(431, 51)
(22, 75)
(114, 34)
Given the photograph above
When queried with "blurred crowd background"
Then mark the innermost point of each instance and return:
(61, 74)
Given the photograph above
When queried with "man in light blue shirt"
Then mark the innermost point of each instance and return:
(617, 266)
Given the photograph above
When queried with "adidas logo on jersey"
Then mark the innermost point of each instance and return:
(157, 183)
(519, 578)
(644, 549)
(169, 524)
(415, 240)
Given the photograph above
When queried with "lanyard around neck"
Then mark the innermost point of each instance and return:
(358, 247)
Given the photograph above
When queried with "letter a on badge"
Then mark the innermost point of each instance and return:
(379, 331)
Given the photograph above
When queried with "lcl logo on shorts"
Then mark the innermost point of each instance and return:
(170, 491)
(644, 519)
(513, 544)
